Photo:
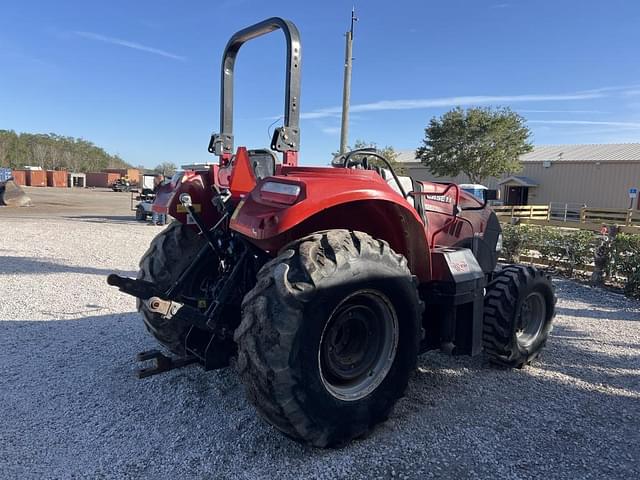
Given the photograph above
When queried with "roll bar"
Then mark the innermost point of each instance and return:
(285, 139)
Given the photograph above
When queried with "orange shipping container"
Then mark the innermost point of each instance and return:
(36, 178)
(56, 178)
(101, 179)
(20, 177)
(131, 173)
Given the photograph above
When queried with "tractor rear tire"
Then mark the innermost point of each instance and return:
(518, 312)
(170, 252)
(329, 336)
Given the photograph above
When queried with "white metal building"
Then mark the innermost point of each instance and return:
(592, 175)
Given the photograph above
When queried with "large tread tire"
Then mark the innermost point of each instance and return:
(502, 307)
(170, 252)
(282, 323)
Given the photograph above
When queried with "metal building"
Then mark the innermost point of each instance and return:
(591, 175)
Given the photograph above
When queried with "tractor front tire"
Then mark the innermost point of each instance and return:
(170, 252)
(519, 308)
(329, 336)
(141, 215)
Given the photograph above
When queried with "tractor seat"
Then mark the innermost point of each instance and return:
(405, 181)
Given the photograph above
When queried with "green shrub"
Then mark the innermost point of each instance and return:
(551, 245)
(512, 242)
(580, 249)
(626, 262)
(574, 250)
(517, 239)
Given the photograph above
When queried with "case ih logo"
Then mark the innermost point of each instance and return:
(439, 198)
(460, 267)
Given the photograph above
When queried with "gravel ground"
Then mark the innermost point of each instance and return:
(71, 407)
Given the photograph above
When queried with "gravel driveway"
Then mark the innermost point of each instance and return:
(71, 407)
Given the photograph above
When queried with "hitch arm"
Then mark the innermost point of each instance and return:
(138, 288)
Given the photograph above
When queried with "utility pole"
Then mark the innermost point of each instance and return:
(346, 88)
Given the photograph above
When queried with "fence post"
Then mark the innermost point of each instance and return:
(628, 219)
(549, 212)
(583, 215)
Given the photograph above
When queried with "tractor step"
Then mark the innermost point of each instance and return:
(163, 363)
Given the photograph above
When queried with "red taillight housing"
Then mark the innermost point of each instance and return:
(279, 192)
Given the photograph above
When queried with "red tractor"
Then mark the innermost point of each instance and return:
(322, 285)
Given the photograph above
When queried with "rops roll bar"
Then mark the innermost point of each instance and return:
(285, 139)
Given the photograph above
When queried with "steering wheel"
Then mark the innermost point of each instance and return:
(364, 162)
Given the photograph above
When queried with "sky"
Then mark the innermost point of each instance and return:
(141, 78)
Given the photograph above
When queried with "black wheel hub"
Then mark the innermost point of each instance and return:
(358, 345)
(532, 317)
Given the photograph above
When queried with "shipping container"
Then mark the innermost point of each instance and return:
(20, 177)
(57, 178)
(132, 174)
(36, 178)
(101, 179)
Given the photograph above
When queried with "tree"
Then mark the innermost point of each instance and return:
(479, 142)
(166, 168)
(52, 151)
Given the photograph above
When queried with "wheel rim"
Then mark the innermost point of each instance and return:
(358, 345)
(532, 317)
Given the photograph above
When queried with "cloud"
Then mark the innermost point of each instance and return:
(501, 5)
(631, 125)
(331, 130)
(424, 103)
(128, 44)
(561, 111)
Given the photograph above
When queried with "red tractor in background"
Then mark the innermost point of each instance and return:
(322, 285)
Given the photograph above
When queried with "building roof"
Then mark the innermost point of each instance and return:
(610, 152)
(519, 180)
(406, 156)
(606, 152)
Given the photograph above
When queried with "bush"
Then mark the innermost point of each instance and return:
(580, 249)
(517, 239)
(625, 259)
(560, 248)
(551, 246)
(573, 250)
(512, 242)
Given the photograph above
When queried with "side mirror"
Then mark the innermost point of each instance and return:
(491, 195)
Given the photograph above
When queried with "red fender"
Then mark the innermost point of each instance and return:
(334, 198)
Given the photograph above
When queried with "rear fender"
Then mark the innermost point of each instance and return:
(272, 227)
(198, 186)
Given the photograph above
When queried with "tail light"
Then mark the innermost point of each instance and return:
(278, 192)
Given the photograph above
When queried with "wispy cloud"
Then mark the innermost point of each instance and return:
(630, 125)
(128, 44)
(331, 130)
(501, 5)
(563, 111)
(424, 103)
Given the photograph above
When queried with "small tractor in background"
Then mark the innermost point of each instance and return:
(322, 285)
(121, 185)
